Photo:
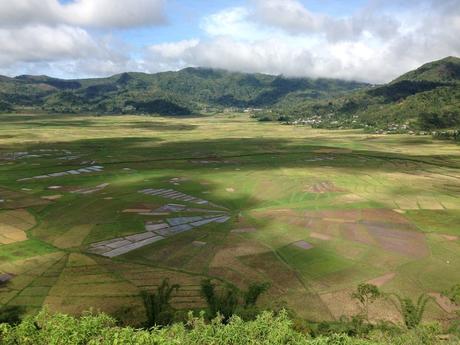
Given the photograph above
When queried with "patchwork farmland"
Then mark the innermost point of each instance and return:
(94, 210)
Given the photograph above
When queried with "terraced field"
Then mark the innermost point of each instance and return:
(93, 210)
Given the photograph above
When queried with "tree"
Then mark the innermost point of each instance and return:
(228, 300)
(366, 294)
(253, 293)
(157, 306)
(411, 312)
(224, 302)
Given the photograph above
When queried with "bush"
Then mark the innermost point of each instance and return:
(11, 314)
(267, 328)
(265, 119)
(157, 307)
(227, 300)
(411, 312)
(222, 302)
(57, 329)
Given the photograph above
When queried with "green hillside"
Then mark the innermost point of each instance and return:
(188, 91)
(445, 70)
(427, 98)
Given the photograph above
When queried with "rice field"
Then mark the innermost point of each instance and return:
(313, 212)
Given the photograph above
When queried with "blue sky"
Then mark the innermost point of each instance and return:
(184, 18)
(367, 40)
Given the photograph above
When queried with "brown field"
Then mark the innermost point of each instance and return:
(73, 237)
(324, 187)
(382, 280)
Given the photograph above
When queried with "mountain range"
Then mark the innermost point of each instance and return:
(188, 91)
(428, 97)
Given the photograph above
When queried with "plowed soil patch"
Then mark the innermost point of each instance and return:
(405, 242)
(450, 237)
(444, 302)
(303, 245)
(384, 215)
(382, 280)
(356, 233)
(319, 236)
(383, 228)
(324, 187)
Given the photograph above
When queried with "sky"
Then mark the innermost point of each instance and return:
(364, 40)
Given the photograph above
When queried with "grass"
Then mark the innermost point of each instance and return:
(253, 169)
(438, 221)
(25, 249)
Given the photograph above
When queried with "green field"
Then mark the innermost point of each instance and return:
(379, 208)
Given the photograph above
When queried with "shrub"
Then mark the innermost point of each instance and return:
(411, 312)
(11, 314)
(228, 301)
(253, 293)
(157, 307)
(222, 302)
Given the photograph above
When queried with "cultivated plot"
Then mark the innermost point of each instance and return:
(90, 217)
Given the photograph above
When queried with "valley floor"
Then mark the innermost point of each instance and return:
(94, 210)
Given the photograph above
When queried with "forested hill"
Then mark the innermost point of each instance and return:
(190, 90)
(446, 70)
(426, 98)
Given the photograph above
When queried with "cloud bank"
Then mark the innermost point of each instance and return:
(89, 13)
(375, 42)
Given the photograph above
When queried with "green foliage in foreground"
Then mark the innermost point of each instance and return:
(267, 328)
(157, 305)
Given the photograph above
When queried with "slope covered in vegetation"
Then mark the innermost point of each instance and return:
(169, 93)
(427, 98)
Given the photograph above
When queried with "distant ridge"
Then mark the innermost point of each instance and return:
(191, 90)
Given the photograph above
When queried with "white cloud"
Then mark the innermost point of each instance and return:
(230, 22)
(38, 42)
(39, 36)
(61, 51)
(114, 13)
(293, 17)
(265, 56)
(299, 57)
(290, 15)
(284, 37)
(91, 13)
(175, 50)
(376, 43)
